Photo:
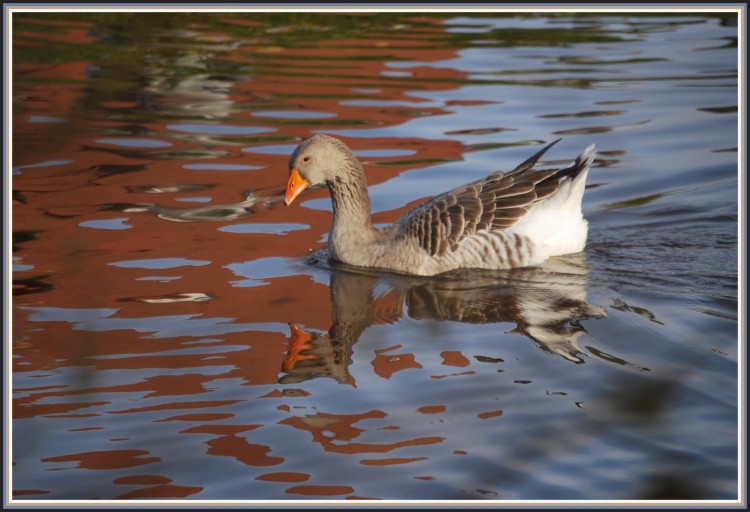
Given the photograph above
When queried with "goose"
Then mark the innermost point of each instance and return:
(505, 220)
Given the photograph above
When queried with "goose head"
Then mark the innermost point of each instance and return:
(317, 161)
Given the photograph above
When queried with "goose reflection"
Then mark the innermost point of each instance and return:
(546, 303)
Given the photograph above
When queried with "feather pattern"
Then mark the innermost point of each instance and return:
(494, 203)
(505, 220)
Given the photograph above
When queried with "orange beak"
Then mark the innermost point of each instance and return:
(294, 186)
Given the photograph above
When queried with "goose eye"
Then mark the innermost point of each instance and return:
(306, 159)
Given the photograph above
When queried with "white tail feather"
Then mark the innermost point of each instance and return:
(556, 225)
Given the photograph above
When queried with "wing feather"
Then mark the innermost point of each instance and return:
(496, 202)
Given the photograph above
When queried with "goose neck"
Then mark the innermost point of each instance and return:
(351, 203)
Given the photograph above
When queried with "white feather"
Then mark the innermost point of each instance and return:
(556, 225)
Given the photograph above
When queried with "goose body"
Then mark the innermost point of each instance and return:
(506, 220)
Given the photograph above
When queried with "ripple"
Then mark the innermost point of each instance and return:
(391, 461)
(590, 113)
(48, 163)
(294, 114)
(165, 326)
(111, 224)
(282, 149)
(19, 267)
(272, 229)
(160, 263)
(200, 350)
(388, 103)
(396, 74)
(135, 143)
(384, 152)
(46, 119)
(284, 477)
(219, 129)
(469, 30)
(167, 188)
(160, 279)
(222, 167)
(170, 299)
(320, 490)
(478, 131)
(256, 272)
(193, 199)
(599, 129)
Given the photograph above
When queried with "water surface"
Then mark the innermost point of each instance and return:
(177, 335)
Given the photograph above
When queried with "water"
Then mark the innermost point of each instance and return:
(176, 334)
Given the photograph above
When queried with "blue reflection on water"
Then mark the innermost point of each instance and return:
(167, 326)
(273, 229)
(160, 263)
(113, 224)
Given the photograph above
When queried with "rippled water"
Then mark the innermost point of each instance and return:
(176, 334)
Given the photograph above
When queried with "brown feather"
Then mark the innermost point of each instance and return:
(496, 202)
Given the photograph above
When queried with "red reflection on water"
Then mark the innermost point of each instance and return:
(164, 385)
(454, 358)
(471, 372)
(161, 491)
(197, 417)
(432, 409)
(240, 449)
(109, 459)
(222, 430)
(72, 264)
(142, 480)
(25, 408)
(284, 476)
(390, 462)
(320, 490)
(334, 432)
(28, 492)
(386, 364)
(178, 405)
(490, 414)
(160, 487)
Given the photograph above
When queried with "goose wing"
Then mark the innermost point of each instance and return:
(496, 202)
